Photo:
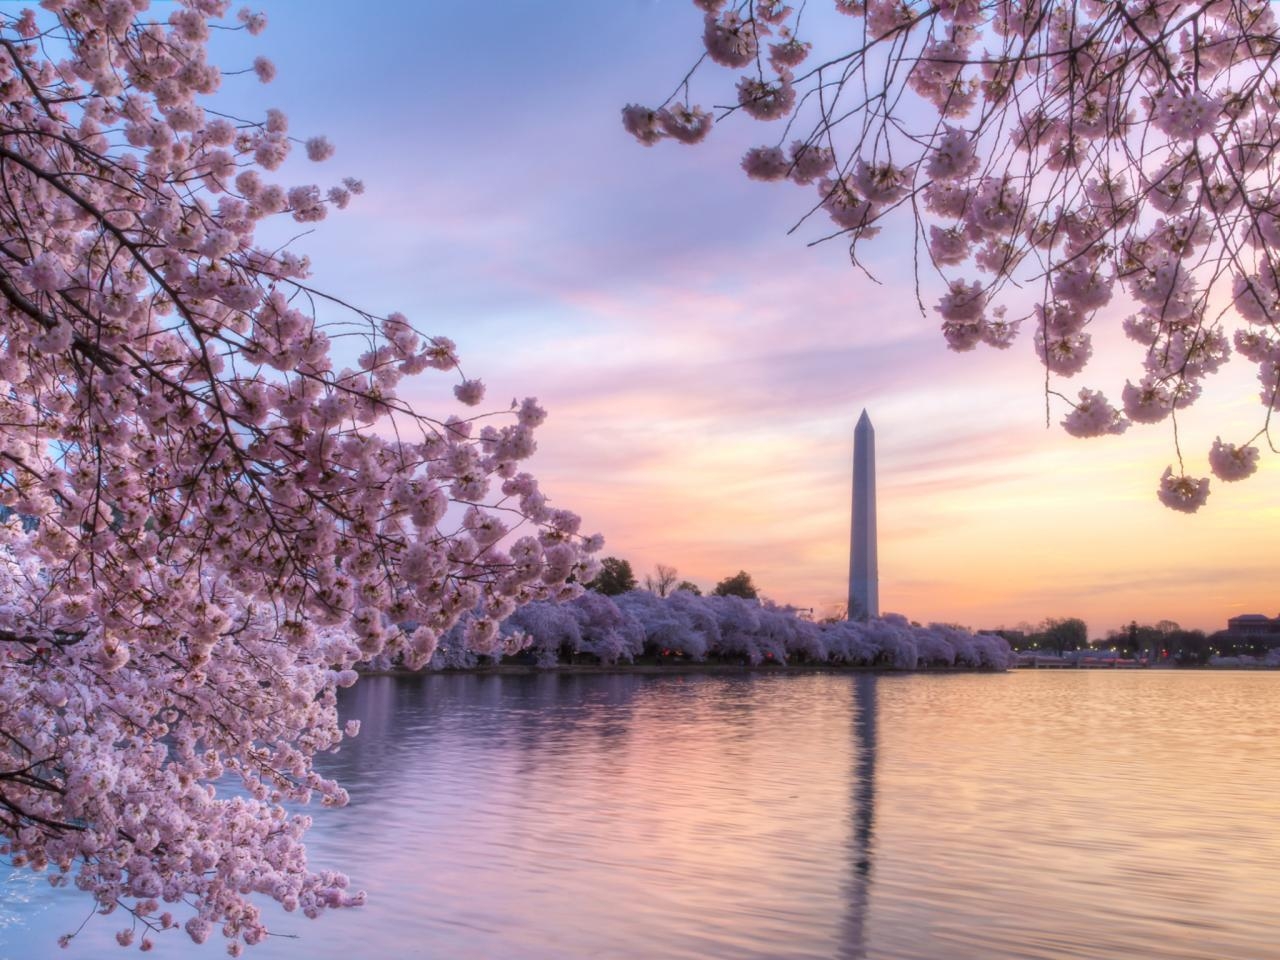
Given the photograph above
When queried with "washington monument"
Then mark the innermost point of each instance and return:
(864, 577)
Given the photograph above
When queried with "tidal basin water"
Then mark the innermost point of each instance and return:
(1036, 814)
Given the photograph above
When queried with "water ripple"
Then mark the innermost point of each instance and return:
(1031, 816)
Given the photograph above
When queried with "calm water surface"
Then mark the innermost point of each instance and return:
(1038, 814)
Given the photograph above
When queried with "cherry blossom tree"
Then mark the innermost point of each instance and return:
(216, 503)
(1084, 164)
(733, 629)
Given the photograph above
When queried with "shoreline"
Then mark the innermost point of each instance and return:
(658, 669)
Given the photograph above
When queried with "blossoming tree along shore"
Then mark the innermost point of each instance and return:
(210, 519)
(1090, 151)
(727, 629)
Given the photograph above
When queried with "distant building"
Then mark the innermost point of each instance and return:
(1252, 634)
(1254, 624)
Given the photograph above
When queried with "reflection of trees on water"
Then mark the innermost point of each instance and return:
(406, 721)
(853, 934)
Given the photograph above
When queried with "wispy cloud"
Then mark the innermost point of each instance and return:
(703, 370)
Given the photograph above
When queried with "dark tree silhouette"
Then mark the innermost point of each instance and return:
(739, 585)
(615, 577)
(662, 581)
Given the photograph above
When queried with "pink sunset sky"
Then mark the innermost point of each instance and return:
(704, 370)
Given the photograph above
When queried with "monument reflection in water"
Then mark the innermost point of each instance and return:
(853, 942)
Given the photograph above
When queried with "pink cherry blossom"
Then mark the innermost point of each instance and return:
(963, 335)
(1182, 493)
(45, 272)
(845, 206)
(1083, 286)
(1143, 327)
(642, 123)
(880, 182)
(1257, 298)
(948, 246)
(772, 11)
(1269, 377)
(954, 155)
(1064, 355)
(1256, 345)
(730, 40)
(470, 392)
(810, 161)
(264, 68)
(1184, 116)
(947, 199)
(686, 124)
(1149, 402)
(254, 22)
(1229, 462)
(766, 163)
(766, 100)
(1093, 416)
(319, 148)
(790, 53)
(887, 17)
(999, 332)
(963, 302)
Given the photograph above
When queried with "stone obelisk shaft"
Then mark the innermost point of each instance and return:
(864, 576)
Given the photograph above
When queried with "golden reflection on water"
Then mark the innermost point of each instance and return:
(1034, 815)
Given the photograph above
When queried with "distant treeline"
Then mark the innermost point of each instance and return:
(639, 625)
(1161, 641)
